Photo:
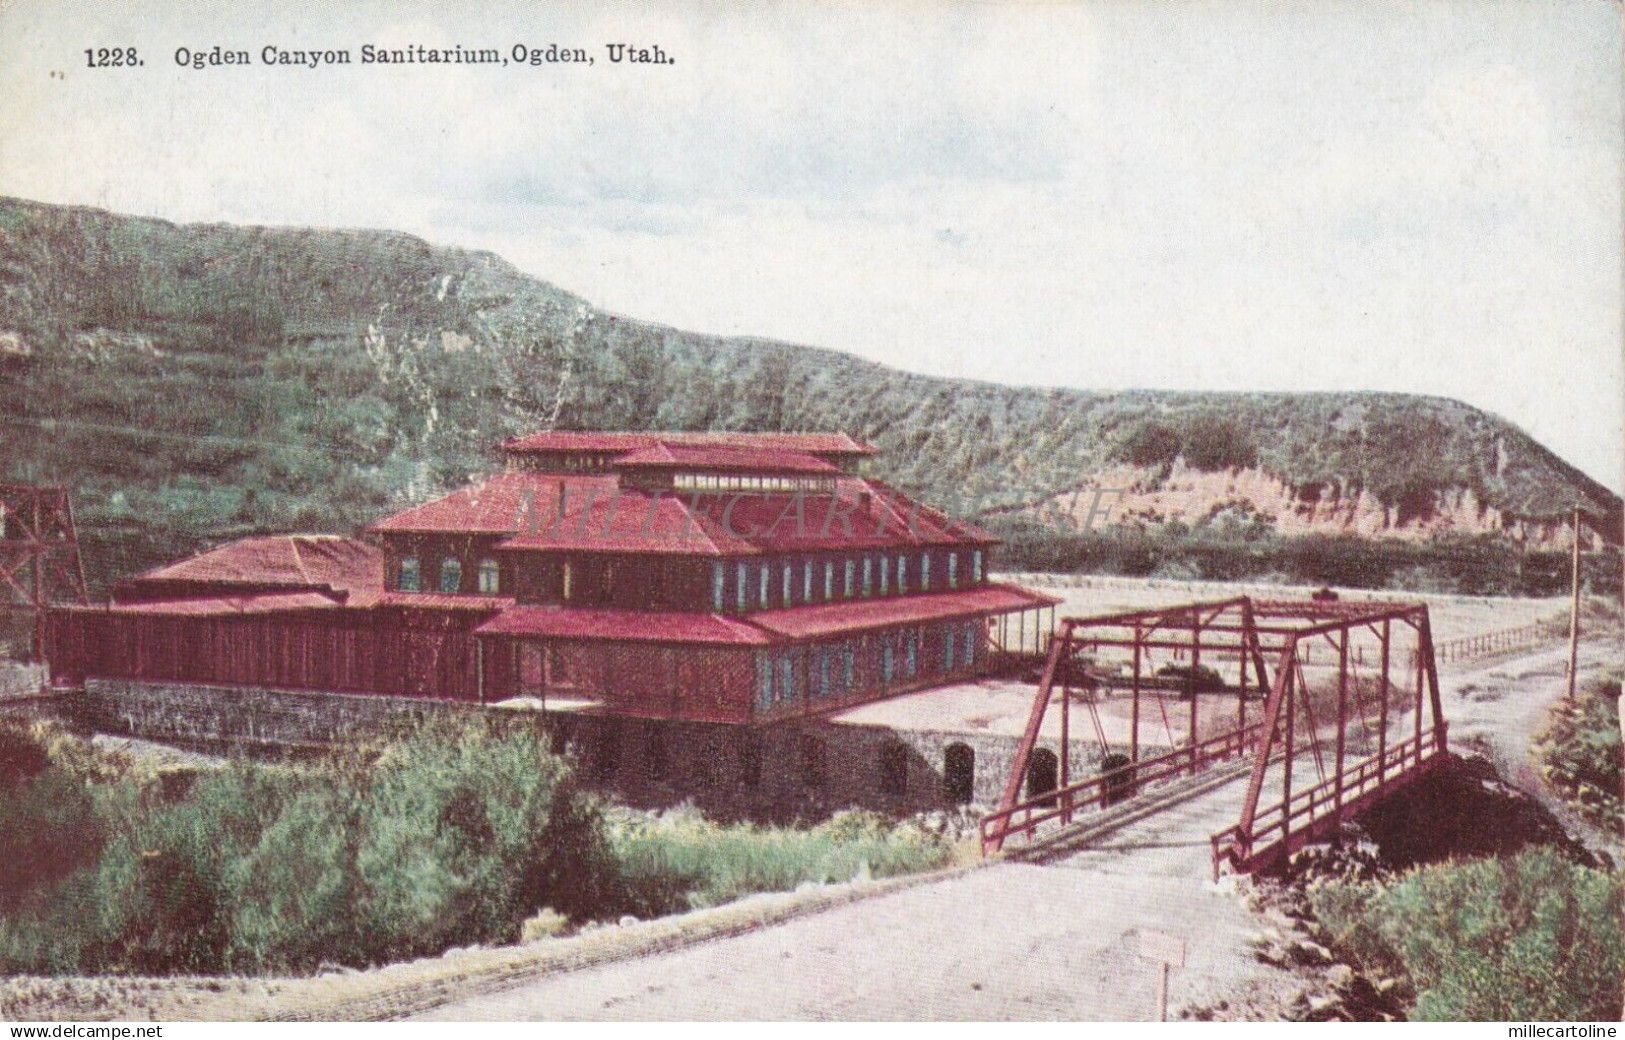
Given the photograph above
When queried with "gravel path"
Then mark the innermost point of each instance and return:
(1013, 941)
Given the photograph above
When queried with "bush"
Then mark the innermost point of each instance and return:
(49, 826)
(1149, 444)
(1213, 443)
(463, 836)
(1532, 937)
(1580, 752)
(453, 836)
(681, 861)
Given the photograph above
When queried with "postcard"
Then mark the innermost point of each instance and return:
(926, 512)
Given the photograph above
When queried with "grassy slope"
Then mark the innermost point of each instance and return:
(208, 381)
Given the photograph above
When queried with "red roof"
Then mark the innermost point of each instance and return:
(733, 460)
(860, 515)
(635, 626)
(277, 562)
(444, 601)
(258, 603)
(584, 441)
(759, 629)
(828, 619)
(499, 505)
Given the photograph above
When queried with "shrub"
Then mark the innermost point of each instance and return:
(1580, 751)
(1532, 937)
(290, 898)
(680, 861)
(1149, 444)
(464, 834)
(544, 924)
(49, 826)
(1213, 443)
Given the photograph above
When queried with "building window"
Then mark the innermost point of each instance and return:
(451, 575)
(948, 650)
(911, 660)
(885, 565)
(787, 680)
(976, 567)
(925, 572)
(886, 661)
(850, 666)
(953, 570)
(490, 577)
(718, 580)
(829, 580)
(823, 653)
(894, 769)
(851, 572)
(764, 682)
(411, 575)
(787, 589)
(806, 583)
(970, 645)
(763, 584)
(569, 582)
(902, 575)
(742, 586)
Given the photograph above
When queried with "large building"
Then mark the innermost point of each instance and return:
(723, 578)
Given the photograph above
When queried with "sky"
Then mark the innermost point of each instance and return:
(1418, 197)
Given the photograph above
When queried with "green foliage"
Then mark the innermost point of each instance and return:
(1532, 937)
(1150, 444)
(1213, 443)
(1478, 566)
(47, 819)
(453, 835)
(507, 835)
(681, 861)
(1579, 751)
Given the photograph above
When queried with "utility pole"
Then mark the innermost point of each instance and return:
(1574, 608)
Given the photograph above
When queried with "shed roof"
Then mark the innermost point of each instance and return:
(226, 606)
(312, 562)
(828, 619)
(632, 626)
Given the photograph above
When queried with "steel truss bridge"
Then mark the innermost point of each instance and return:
(1322, 736)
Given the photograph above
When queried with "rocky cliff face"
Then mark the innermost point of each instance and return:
(1243, 497)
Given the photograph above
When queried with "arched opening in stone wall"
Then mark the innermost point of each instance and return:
(1043, 774)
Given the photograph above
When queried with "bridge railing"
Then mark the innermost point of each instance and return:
(1335, 797)
(1024, 818)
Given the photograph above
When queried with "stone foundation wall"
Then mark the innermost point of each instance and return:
(800, 768)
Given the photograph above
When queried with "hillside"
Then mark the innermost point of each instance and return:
(194, 383)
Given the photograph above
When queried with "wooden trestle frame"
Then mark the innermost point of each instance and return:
(1253, 634)
(39, 554)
